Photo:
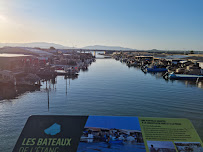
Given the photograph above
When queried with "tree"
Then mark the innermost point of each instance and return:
(52, 48)
(192, 52)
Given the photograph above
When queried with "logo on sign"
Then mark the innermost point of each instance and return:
(53, 129)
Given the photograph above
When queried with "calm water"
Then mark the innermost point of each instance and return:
(103, 147)
(107, 88)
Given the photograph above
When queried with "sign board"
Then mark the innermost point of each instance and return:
(51, 134)
(107, 133)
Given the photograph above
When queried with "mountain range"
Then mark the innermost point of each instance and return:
(59, 46)
(34, 44)
(102, 47)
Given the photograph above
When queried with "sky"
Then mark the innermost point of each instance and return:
(128, 123)
(137, 24)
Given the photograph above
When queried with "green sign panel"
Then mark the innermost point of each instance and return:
(51, 134)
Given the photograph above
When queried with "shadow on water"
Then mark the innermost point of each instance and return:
(84, 70)
(8, 92)
(188, 83)
(72, 77)
(12, 92)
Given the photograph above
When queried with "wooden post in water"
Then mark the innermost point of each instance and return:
(66, 87)
(48, 98)
(49, 84)
(197, 80)
(39, 83)
(46, 84)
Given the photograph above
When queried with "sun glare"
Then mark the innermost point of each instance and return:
(3, 18)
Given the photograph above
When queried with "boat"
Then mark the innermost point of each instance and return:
(132, 64)
(60, 72)
(66, 72)
(156, 69)
(184, 76)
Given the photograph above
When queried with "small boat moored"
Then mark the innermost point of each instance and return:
(184, 76)
(154, 69)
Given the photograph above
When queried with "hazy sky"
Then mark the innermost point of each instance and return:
(139, 24)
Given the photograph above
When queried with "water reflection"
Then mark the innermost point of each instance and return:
(48, 98)
(198, 84)
(84, 70)
(53, 82)
(72, 77)
(188, 83)
(12, 92)
(108, 88)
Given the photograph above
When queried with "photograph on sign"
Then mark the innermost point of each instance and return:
(188, 146)
(112, 134)
(156, 146)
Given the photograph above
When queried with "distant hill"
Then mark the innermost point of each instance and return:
(58, 46)
(35, 44)
(101, 47)
(46, 45)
